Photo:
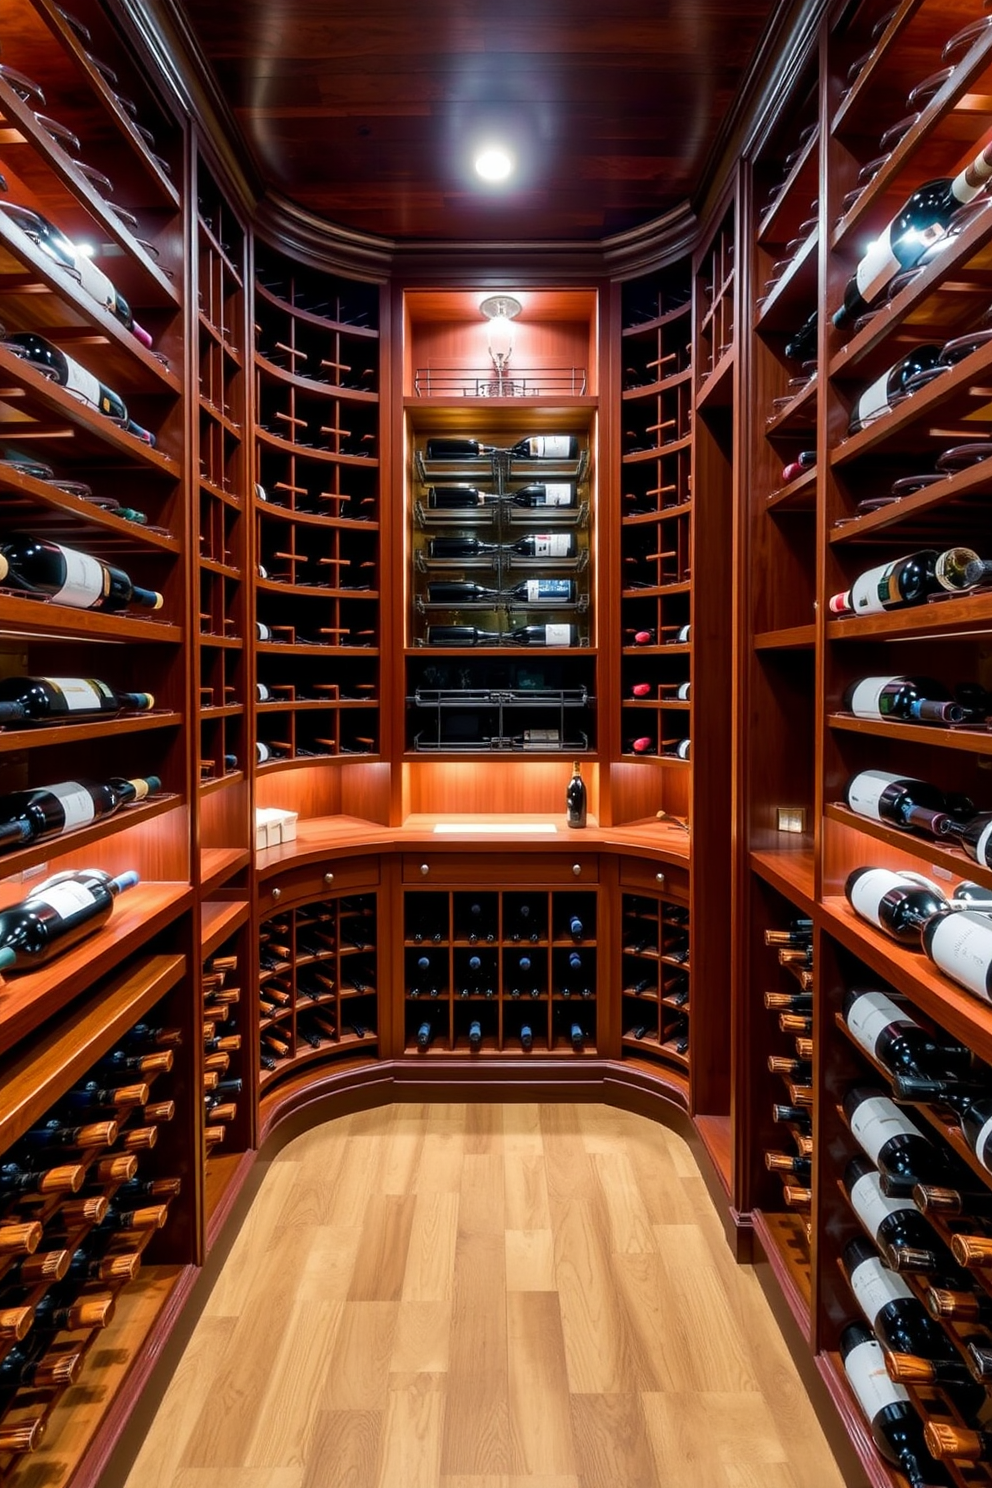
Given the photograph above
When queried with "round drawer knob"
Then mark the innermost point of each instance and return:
(576, 869)
(328, 878)
(276, 894)
(660, 878)
(425, 868)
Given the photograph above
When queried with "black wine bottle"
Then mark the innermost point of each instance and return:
(896, 1316)
(898, 903)
(31, 815)
(64, 252)
(886, 391)
(534, 545)
(40, 699)
(895, 1427)
(546, 447)
(906, 581)
(899, 1150)
(475, 1034)
(425, 1034)
(57, 914)
(887, 1033)
(526, 1036)
(975, 837)
(920, 222)
(550, 493)
(68, 577)
(900, 801)
(523, 635)
(575, 800)
(909, 699)
(529, 591)
(68, 373)
(16, 1180)
(959, 942)
(801, 345)
(947, 1442)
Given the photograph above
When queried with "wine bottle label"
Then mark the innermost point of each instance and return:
(65, 898)
(872, 1206)
(95, 282)
(983, 1145)
(536, 589)
(873, 401)
(84, 580)
(83, 384)
(550, 446)
(983, 843)
(552, 545)
(683, 692)
(869, 891)
(870, 1016)
(961, 945)
(872, 591)
(557, 493)
(877, 1120)
(869, 1379)
(76, 802)
(878, 266)
(866, 791)
(875, 1286)
(867, 696)
(78, 693)
(539, 738)
(561, 635)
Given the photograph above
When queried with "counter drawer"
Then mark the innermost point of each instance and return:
(317, 881)
(505, 869)
(655, 877)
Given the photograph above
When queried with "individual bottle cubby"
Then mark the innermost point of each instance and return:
(715, 312)
(92, 1179)
(500, 972)
(317, 984)
(655, 979)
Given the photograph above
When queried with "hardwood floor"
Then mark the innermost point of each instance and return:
(485, 1296)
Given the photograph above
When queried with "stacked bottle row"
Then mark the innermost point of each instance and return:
(317, 982)
(316, 513)
(81, 1197)
(656, 540)
(655, 978)
(223, 1082)
(792, 1066)
(500, 972)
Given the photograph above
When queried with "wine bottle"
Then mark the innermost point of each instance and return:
(895, 1427)
(534, 545)
(576, 929)
(910, 699)
(458, 498)
(784, 1162)
(64, 252)
(69, 577)
(68, 373)
(57, 914)
(899, 1150)
(53, 1133)
(886, 1032)
(55, 1312)
(886, 391)
(959, 1306)
(946, 1441)
(920, 222)
(546, 447)
(39, 699)
(475, 1034)
(530, 591)
(526, 1036)
(425, 1034)
(16, 1180)
(900, 801)
(549, 493)
(975, 836)
(31, 815)
(906, 581)
(951, 1203)
(959, 942)
(896, 1316)
(575, 801)
(576, 1036)
(523, 635)
(801, 345)
(898, 903)
(30, 1365)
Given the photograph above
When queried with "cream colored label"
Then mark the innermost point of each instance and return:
(76, 802)
(877, 1120)
(84, 580)
(865, 1369)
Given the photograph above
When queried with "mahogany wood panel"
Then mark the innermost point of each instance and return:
(369, 118)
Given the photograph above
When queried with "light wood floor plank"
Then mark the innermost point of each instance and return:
(530, 1260)
(611, 1442)
(540, 1420)
(344, 1450)
(358, 1375)
(289, 1402)
(411, 1440)
(381, 1261)
(430, 1257)
(526, 1191)
(630, 1222)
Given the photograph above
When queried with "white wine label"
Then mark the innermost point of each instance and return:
(561, 635)
(877, 1120)
(869, 891)
(76, 802)
(547, 589)
(867, 789)
(873, 402)
(83, 384)
(552, 545)
(872, 591)
(878, 266)
(557, 493)
(870, 1016)
(682, 749)
(262, 692)
(982, 846)
(961, 945)
(869, 1379)
(95, 282)
(65, 898)
(550, 446)
(875, 1286)
(867, 696)
(540, 738)
(872, 1206)
(983, 1146)
(683, 692)
(79, 694)
(85, 580)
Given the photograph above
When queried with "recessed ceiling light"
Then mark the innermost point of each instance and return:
(494, 163)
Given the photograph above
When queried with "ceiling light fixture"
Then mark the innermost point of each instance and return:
(494, 163)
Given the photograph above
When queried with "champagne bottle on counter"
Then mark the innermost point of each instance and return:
(909, 580)
(69, 577)
(886, 391)
(71, 375)
(57, 914)
(43, 699)
(889, 1035)
(908, 699)
(900, 801)
(921, 221)
(48, 811)
(899, 1150)
(895, 1427)
(575, 801)
(901, 904)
